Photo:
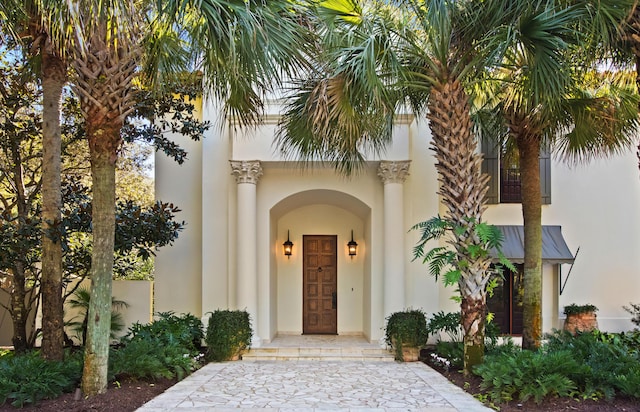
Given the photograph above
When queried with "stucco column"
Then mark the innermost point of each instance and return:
(247, 174)
(393, 175)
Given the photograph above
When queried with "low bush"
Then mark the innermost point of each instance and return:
(406, 328)
(574, 309)
(26, 379)
(589, 365)
(184, 330)
(165, 348)
(448, 324)
(228, 334)
(526, 375)
(151, 358)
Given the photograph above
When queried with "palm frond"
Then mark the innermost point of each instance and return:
(598, 122)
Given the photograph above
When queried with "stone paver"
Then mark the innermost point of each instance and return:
(290, 386)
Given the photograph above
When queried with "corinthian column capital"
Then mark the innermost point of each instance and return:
(246, 171)
(394, 172)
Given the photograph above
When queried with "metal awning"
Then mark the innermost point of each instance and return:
(554, 248)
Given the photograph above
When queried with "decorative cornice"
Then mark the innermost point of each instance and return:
(394, 172)
(246, 171)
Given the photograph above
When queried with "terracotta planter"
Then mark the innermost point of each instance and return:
(581, 322)
(410, 353)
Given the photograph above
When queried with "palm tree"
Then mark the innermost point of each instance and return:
(374, 57)
(548, 97)
(27, 19)
(242, 47)
(80, 302)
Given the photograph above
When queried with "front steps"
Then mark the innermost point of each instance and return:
(319, 348)
(318, 354)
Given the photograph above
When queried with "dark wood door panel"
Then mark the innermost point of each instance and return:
(320, 312)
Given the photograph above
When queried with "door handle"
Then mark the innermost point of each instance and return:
(334, 300)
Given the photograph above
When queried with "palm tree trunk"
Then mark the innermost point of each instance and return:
(103, 157)
(462, 187)
(529, 150)
(53, 80)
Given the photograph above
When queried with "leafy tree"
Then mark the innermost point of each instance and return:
(20, 185)
(143, 228)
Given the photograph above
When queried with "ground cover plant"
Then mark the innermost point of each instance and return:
(28, 378)
(161, 351)
(594, 365)
(166, 348)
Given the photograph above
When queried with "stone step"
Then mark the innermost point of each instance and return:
(318, 354)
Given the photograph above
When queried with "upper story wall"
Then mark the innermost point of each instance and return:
(257, 143)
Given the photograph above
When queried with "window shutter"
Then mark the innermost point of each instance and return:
(545, 175)
(491, 166)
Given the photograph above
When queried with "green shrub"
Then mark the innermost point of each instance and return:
(406, 328)
(612, 361)
(451, 351)
(28, 378)
(448, 323)
(164, 348)
(526, 375)
(590, 365)
(229, 332)
(574, 309)
(185, 330)
(151, 358)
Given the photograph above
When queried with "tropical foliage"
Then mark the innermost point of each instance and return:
(25, 379)
(79, 302)
(162, 349)
(165, 348)
(588, 366)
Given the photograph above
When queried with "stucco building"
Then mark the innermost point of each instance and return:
(242, 200)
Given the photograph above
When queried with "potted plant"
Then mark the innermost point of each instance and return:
(406, 332)
(228, 335)
(580, 318)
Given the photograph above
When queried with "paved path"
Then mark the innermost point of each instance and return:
(290, 386)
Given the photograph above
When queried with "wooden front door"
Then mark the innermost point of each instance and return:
(319, 295)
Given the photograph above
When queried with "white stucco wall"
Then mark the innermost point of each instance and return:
(179, 278)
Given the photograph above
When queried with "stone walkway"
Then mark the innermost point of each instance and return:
(290, 386)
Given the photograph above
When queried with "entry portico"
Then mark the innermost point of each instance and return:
(274, 288)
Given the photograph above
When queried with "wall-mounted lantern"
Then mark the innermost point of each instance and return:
(288, 246)
(353, 246)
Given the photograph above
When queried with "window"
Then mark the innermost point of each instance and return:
(506, 302)
(504, 184)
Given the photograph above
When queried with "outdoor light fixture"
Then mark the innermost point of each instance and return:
(288, 245)
(353, 246)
